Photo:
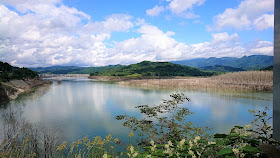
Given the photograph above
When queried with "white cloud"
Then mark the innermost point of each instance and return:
(182, 8)
(223, 37)
(155, 11)
(262, 48)
(263, 22)
(66, 36)
(115, 22)
(248, 14)
(179, 6)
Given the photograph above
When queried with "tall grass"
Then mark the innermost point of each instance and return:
(243, 81)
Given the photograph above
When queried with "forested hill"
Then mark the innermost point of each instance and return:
(253, 62)
(8, 72)
(220, 68)
(147, 68)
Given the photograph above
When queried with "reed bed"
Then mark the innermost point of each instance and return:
(259, 81)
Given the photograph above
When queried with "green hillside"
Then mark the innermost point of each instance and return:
(253, 62)
(147, 68)
(71, 69)
(220, 68)
(269, 68)
(8, 72)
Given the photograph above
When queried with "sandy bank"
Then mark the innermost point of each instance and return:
(256, 81)
(122, 78)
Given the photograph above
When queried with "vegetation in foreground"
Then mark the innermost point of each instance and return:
(163, 131)
(147, 68)
(241, 81)
(8, 72)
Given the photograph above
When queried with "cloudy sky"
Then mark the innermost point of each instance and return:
(97, 33)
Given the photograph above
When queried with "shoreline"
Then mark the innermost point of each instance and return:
(12, 89)
(248, 81)
(203, 84)
(122, 78)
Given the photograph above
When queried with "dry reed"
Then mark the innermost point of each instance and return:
(239, 81)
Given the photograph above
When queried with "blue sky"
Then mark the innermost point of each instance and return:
(97, 33)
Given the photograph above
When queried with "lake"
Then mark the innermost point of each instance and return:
(82, 107)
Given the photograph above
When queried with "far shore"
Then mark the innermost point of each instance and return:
(254, 81)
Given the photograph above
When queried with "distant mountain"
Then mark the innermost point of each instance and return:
(253, 62)
(220, 68)
(71, 69)
(147, 68)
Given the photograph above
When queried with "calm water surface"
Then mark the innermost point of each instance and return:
(82, 107)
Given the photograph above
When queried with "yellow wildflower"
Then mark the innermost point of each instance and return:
(152, 142)
(209, 143)
(79, 141)
(198, 153)
(131, 134)
(196, 139)
(181, 143)
(248, 126)
(109, 138)
(170, 143)
(135, 154)
(191, 152)
(235, 151)
(88, 144)
(105, 156)
(85, 139)
(116, 140)
(168, 151)
(62, 146)
(131, 149)
(72, 145)
(191, 144)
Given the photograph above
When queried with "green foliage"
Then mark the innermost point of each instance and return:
(269, 68)
(163, 122)
(220, 68)
(171, 135)
(253, 62)
(263, 130)
(147, 68)
(8, 72)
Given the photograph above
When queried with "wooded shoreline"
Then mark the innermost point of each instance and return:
(12, 89)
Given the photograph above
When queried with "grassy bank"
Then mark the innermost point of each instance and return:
(243, 81)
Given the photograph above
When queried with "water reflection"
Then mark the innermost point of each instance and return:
(84, 107)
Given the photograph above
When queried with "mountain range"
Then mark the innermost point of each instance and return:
(253, 62)
(224, 64)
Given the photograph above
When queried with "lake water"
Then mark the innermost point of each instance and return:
(83, 107)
